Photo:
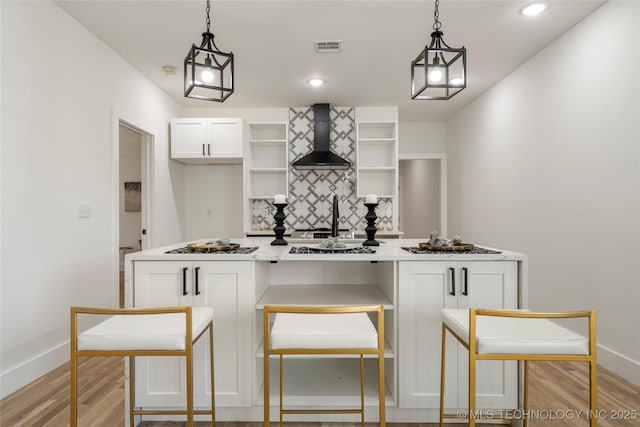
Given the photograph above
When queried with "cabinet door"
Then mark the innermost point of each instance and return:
(160, 284)
(424, 289)
(188, 138)
(492, 285)
(227, 287)
(225, 137)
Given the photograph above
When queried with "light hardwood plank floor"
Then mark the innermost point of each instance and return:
(555, 389)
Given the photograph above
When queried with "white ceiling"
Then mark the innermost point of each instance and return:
(274, 53)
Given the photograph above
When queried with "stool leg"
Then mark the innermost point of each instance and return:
(593, 393)
(213, 388)
(472, 389)
(74, 390)
(442, 365)
(132, 391)
(362, 390)
(190, 387)
(281, 397)
(381, 402)
(265, 371)
(525, 395)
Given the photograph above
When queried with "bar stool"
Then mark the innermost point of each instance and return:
(168, 331)
(305, 330)
(517, 335)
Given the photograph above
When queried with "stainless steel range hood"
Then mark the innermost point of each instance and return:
(321, 157)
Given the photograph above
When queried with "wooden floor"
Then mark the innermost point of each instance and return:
(555, 389)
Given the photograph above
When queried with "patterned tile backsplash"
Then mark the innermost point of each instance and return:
(311, 191)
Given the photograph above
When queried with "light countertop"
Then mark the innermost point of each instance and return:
(389, 250)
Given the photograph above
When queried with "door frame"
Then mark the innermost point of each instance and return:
(147, 172)
(442, 157)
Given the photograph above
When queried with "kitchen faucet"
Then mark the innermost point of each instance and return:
(334, 217)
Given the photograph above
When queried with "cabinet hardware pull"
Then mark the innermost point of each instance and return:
(202, 150)
(184, 280)
(209, 149)
(465, 289)
(197, 274)
(453, 281)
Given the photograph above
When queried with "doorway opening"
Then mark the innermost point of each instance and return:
(133, 148)
(422, 195)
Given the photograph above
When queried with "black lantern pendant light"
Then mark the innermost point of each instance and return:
(439, 71)
(208, 72)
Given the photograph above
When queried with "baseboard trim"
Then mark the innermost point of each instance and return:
(619, 364)
(32, 369)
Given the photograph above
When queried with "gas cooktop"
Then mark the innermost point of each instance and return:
(238, 251)
(318, 250)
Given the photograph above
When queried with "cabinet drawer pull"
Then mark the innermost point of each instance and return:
(202, 150)
(465, 283)
(453, 281)
(209, 149)
(184, 280)
(197, 274)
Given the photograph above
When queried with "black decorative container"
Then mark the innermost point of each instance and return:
(279, 229)
(371, 229)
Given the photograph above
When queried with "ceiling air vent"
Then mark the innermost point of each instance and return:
(328, 46)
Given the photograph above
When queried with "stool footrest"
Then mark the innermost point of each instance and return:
(170, 412)
(322, 411)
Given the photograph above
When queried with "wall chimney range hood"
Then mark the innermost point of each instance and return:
(321, 157)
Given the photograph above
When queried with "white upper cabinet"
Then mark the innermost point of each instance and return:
(205, 140)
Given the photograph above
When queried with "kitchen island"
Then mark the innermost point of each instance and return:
(412, 287)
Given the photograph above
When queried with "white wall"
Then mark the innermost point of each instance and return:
(547, 163)
(130, 171)
(422, 137)
(419, 197)
(213, 201)
(57, 151)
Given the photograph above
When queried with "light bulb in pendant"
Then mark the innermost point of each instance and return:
(435, 75)
(207, 76)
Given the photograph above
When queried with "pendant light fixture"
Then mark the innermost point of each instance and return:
(439, 71)
(208, 72)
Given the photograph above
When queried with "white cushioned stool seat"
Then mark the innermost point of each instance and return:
(323, 331)
(508, 335)
(145, 331)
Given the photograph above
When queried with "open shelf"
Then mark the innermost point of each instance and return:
(268, 131)
(318, 295)
(318, 382)
(264, 183)
(377, 159)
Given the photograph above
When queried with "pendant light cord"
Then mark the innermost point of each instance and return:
(208, 19)
(436, 17)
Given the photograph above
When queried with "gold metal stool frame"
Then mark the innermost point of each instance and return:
(379, 351)
(187, 353)
(525, 358)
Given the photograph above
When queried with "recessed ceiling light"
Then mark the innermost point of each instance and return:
(316, 82)
(534, 9)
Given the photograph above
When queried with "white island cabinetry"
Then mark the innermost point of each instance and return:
(412, 287)
(425, 289)
(227, 287)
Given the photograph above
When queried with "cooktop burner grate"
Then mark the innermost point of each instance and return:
(475, 250)
(355, 250)
(240, 251)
